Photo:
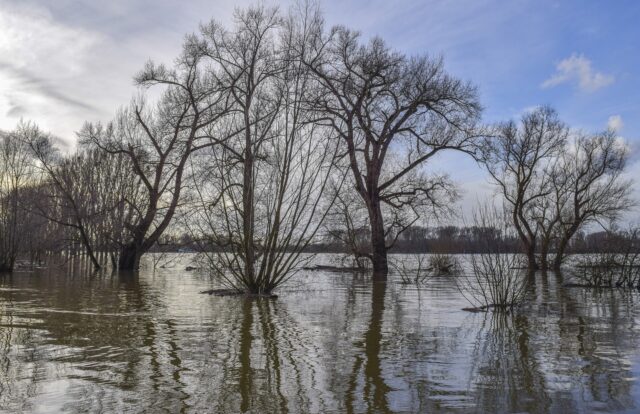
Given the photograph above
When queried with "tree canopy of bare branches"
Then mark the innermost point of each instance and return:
(91, 192)
(516, 157)
(158, 141)
(16, 176)
(380, 102)
(262, 201)
(592, 187)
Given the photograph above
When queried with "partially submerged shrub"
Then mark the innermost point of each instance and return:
(354, 261)
(419, 268)
(443, 264)
(618, 266)
(412, 269)
(496, 280)
(608, 270)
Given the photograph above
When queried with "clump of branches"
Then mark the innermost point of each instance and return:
(618, 266)
(443, 264)
(496, 280)
(420, 268)
(347, 223)
(413, 270)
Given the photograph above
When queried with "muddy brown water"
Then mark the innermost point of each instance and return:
(72, 341)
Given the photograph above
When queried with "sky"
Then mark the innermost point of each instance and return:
(66, 62)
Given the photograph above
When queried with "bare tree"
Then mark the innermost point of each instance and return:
(16, 174)
(515, 158)
(263, 202)
(158, 142)
(378, 102)
(594, 188)
(85, 191)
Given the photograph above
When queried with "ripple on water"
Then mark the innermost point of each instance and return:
(331, 343)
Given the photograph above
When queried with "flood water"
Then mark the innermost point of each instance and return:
(331, 343)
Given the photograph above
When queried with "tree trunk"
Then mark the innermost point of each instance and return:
(544, 255)
(6, 267)
(564, 243)
(247, 209)
(88, 248)
(129, 257)
(378, 243)
(562, 246)
(532, 263)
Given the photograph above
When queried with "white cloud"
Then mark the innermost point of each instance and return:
(40, 61)
(577, 68)
(615, 123)
(70, 61)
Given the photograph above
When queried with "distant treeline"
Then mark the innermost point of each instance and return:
(441, 239)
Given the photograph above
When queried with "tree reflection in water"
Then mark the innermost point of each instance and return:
(82, 342)
(506, 374)
(374, 389)
(270, 372)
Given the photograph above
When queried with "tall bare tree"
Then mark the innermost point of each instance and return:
(159, 141)
(516, 157)
(85, 191)
(263, 202)
(594, 188)
(379, 101)
(17, 176)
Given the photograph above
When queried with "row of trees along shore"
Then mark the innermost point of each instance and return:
(277, 132)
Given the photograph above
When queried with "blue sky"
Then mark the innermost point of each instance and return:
(65, 62)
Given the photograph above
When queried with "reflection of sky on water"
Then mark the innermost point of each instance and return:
(330, 343)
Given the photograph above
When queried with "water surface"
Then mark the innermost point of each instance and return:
(72, 341)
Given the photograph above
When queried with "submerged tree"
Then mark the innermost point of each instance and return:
(594, 188)
(380, 102)
(90, 192)
(17, 175)
(260, 204)
(516, 158)
(159, 141)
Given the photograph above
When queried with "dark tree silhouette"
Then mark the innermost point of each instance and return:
(379, 102)
(515, 157)
(159, 142)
